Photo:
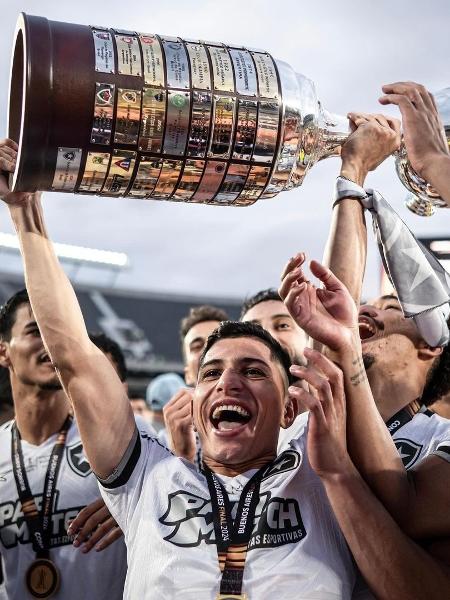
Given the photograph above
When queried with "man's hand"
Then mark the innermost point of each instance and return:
(8, 157)
(328, 315)
(178, 418)
(327, 445)
(423, 132)
(94, 526)
(374, 138)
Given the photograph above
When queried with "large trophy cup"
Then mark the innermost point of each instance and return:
(120, 113)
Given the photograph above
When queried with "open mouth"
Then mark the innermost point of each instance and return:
(44, 358)
(229, 416)
(367, 328)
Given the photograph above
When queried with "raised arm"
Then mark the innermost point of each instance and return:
(329, 315)
(386, 557)
(423, 133)
(374, 138)
(103, 412)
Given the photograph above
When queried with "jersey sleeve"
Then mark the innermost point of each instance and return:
(443, 450)
(121, 490)
(294, 432)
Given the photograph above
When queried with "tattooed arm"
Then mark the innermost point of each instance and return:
(329, 315)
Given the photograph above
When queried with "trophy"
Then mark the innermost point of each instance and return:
(121, 113)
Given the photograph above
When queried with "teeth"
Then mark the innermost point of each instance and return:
(233, 407)
(365, 325)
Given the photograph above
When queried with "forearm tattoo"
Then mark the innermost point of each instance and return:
(359, 375)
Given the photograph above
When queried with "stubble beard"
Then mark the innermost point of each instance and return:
(369, 360)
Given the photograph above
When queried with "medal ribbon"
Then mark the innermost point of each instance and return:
(39, 523)
(232, 537)
(403, 416)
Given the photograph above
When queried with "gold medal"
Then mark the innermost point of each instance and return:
(42, 578)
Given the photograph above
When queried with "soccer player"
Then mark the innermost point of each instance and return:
(177, 521)
(41, 455)
(387, 558)
(267, 309)
(194, 331)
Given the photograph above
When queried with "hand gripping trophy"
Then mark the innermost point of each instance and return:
(121, 113)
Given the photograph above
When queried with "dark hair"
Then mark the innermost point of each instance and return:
(437, 384)
(263, 296)
(109, 346)
(237, 329)
(199, 314)
(8, 313)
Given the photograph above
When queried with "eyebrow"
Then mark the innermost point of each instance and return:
(31, 325)
(197, 339)
(277, 316)
(246, 360)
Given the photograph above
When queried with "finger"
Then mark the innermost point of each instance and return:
(310, 402)
(180, 399)
(91, 525)
(381, 120)
(7, 165)
(295, 278)
(292, 263)
(84, 514)
(8, 152)
(9, 143)
(181, 405)
(332, 372)
(297, 301)
(326, 276)
(103, 529)
(357, 119)
(176, 397)
(416, 92)
(394, 124)
(433, 102)
(405, 105)
(109, 539)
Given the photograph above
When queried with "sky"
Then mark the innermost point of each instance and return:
(348, 48)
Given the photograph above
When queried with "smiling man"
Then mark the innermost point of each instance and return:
(252, 522)
(40, 561)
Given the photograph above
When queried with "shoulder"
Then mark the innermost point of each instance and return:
(6, 426)
(296, 432)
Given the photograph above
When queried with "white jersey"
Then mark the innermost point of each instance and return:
(92, 576)
(163, 505)
(296, 430)
(415, 438)
(420, 436)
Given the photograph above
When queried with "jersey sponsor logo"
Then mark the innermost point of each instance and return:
(393, 426)
(191, 518)
(409, 451)
(277, 521)
(14, 530)
(287, 461)
(77, 460)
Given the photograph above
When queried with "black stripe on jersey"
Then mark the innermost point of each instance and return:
(123, 471)
(443, 449)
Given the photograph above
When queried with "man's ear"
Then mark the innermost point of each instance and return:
(4, 355)
(426, 352)
(290, 412)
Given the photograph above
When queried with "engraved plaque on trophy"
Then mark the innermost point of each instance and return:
(129, 113)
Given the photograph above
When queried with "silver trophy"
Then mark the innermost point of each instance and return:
(122, 113)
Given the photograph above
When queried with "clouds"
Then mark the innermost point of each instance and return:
(349, 49)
